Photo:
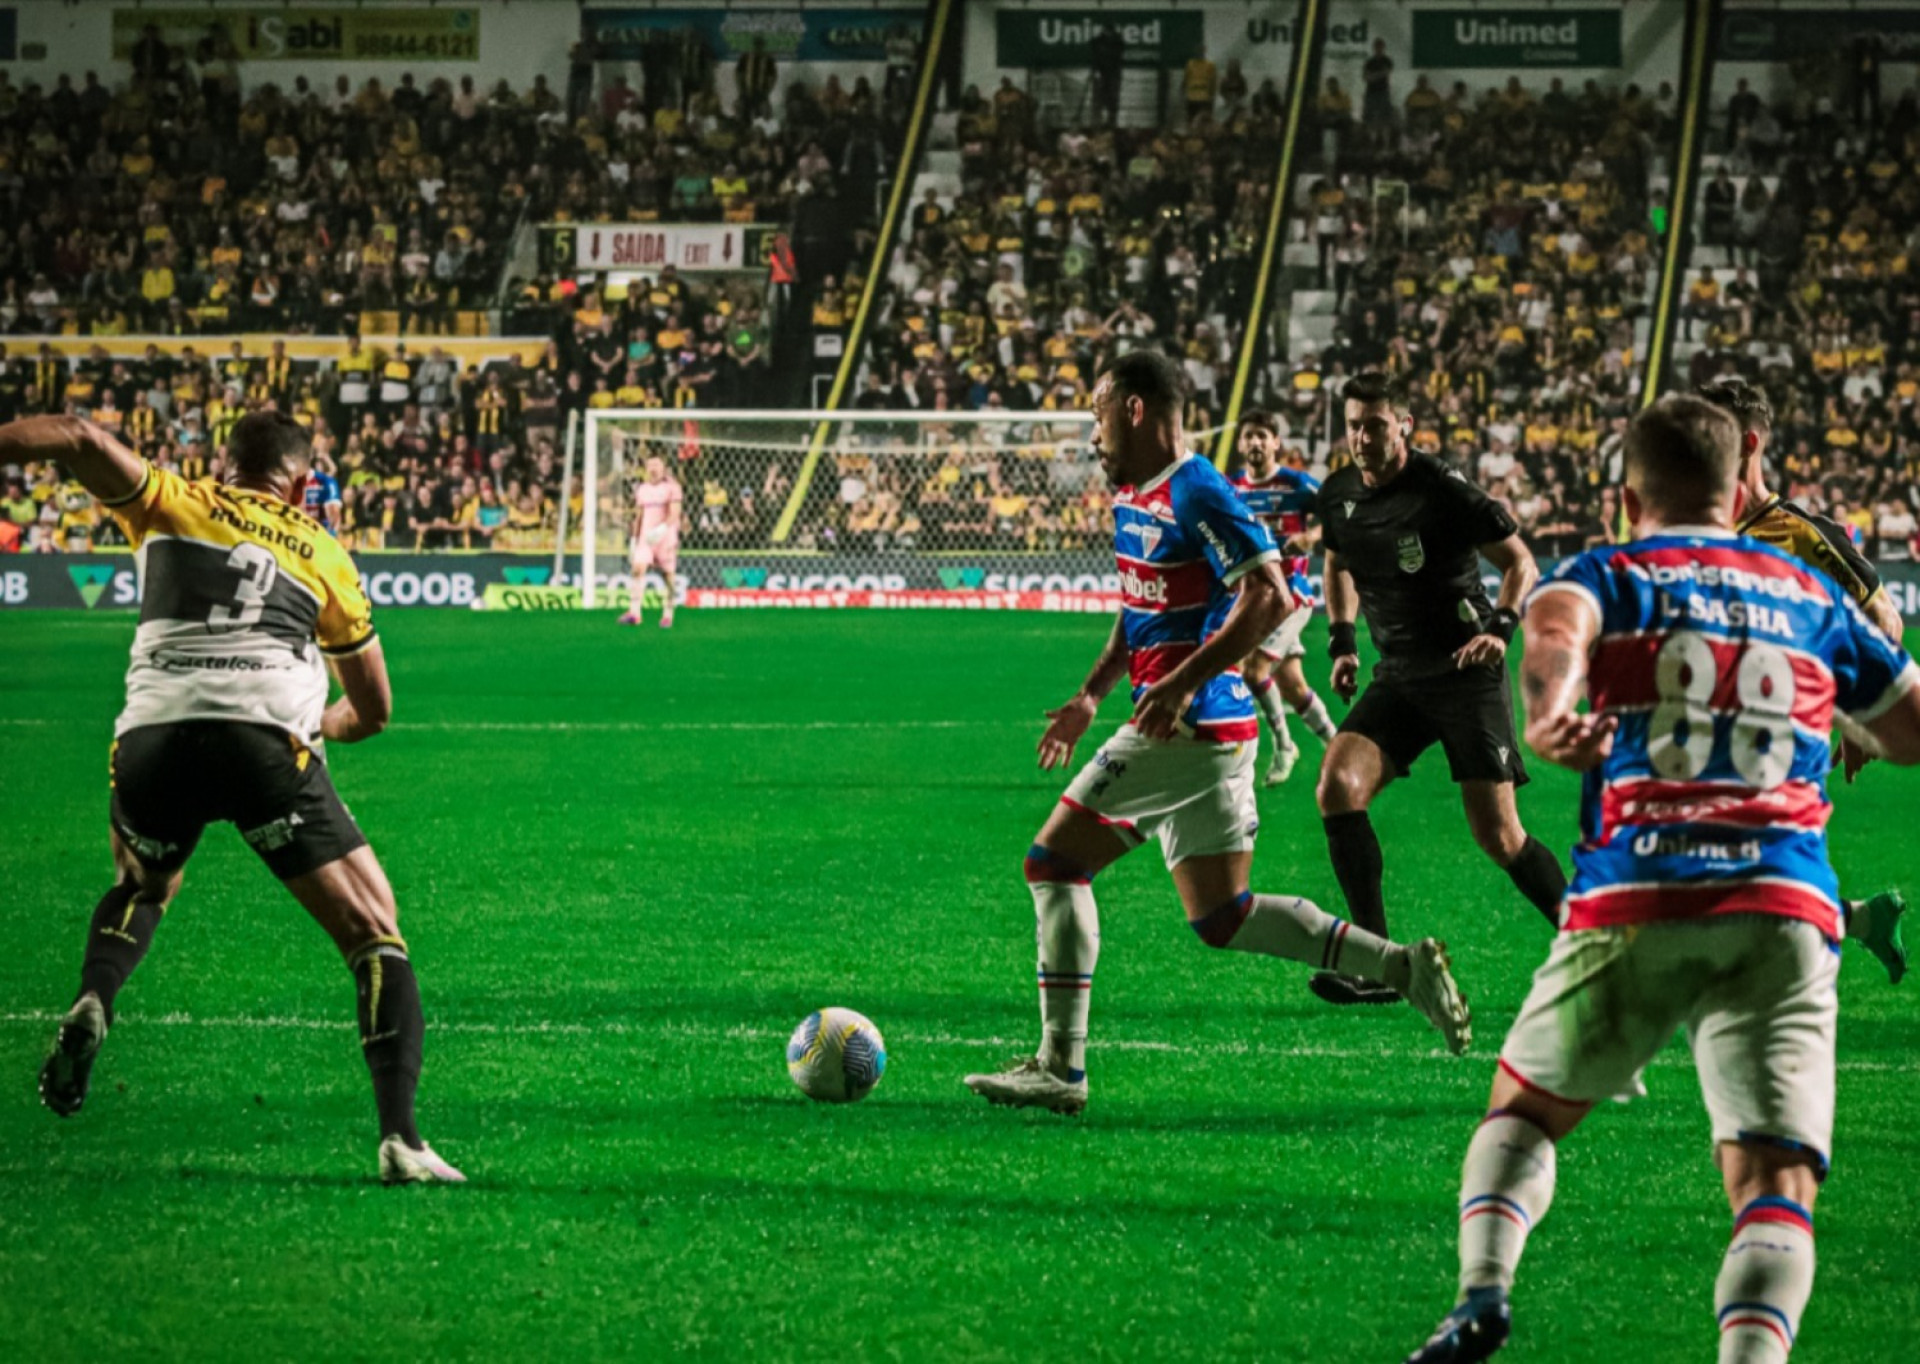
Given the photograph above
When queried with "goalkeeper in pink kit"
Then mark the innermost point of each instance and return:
(656, 539)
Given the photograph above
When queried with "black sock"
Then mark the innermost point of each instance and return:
(1536, 871)
(391, 1030)
(1358, 867)
(121, 931)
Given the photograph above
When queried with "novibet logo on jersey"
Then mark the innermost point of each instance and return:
(91, 581)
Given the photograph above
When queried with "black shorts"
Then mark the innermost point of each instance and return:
(1468, 712)
(170, 781)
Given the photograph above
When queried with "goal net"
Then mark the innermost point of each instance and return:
(852, 508)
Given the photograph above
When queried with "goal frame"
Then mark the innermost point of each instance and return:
(820, 420)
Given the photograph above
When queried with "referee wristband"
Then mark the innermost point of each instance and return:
(1502, 623)
(1343, 639)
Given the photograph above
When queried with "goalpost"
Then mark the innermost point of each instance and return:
(886, 501)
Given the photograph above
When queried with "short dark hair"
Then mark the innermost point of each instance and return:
(1150, 375)
(265, 444)
(1375, 386)
(1259, 419)
(1746, 402)
(1683, 453)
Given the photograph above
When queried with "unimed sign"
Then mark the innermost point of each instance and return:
(1510, 39)
(1056, 38)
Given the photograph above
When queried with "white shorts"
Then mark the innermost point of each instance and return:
(1284, 643)
(664, 554)
(1755, 993)
(1196, 798)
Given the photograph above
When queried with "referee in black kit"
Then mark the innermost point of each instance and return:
(1404, 535)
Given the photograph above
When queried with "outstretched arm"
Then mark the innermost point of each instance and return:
(104, 467)
(1067, 724)
(1561, 628)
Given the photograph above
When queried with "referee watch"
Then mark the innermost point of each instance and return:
(1502, 623)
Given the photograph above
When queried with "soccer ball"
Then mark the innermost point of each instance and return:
(836, 1056)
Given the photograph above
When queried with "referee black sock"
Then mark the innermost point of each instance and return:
(391, 1032)
(121, 931)
(1357, 865)
(1536, 871)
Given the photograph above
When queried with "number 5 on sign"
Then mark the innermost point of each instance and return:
(1680, 737)
(257, 572)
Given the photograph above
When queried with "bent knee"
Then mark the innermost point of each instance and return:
(1217, 927)
(1044, 866)
(1341, 791)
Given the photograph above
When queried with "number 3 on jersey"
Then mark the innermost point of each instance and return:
(1680, 737)
(257, 569)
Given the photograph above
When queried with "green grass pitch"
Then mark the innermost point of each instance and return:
(629, 862)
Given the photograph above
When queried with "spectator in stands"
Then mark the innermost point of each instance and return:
(1376, 108)
(756, 74)
(1201, 83)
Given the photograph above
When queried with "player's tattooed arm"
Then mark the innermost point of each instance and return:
(103, 466)
(1067, 724)
(1561, 628)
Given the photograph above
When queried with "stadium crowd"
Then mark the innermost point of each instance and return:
(1805, 282)
(1510, 284)
(176, 204)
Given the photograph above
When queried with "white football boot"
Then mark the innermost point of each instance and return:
(401, 1164)
(1029, 1084)
(1431, 990)
(1280, 767)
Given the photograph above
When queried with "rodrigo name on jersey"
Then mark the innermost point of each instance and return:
(241, 595)
(1182, 541)
(1724, 660)
(1281, 504)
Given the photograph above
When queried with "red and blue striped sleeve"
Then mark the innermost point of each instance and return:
(1584, 576)
(1870, 671)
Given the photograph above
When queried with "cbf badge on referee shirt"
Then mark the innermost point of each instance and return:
(1412, 556)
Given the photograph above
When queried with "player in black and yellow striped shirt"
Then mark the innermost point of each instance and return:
(243, 595)
(1815, 540)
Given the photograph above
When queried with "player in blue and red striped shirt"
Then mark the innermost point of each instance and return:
(1280, 498)
(1702, 899)
(1201, 585)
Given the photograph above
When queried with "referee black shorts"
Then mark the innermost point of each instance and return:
(172, 780)
(1468, 712)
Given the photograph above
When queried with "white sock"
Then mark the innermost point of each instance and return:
(1316, 717)
(1067, 928)
(1506, 1187)
(1267, 696)
(1299, 930)
(1764, 1282)
(1856, 920)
